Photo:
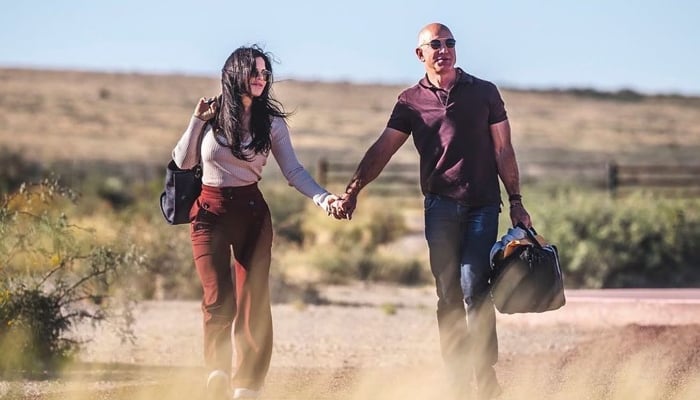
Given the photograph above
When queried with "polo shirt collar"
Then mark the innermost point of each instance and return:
(462, 77)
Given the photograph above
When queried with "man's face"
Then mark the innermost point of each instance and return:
(437, 50)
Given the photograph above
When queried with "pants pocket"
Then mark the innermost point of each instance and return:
(202, 218)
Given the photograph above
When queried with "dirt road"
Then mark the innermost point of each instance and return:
(380, 342)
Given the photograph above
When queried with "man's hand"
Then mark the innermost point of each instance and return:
(518, 214)
(344, 206)
(206, 109)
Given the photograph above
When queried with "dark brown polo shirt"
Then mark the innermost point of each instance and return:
(451, 133)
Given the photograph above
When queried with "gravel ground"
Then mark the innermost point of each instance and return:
(380, 342)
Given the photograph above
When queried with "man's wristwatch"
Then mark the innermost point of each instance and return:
(516, 200)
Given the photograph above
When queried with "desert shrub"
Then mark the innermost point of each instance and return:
(104, 93)
(116, 192)
(641, 240)
(170, 272)
(348, 250)
(15, 169)
(372, 225)
(338, 265)
(53, 274)
(287, 208)
(32, 323)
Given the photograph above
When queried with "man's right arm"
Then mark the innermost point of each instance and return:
(373, 162)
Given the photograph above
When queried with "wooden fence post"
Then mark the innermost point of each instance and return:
(613, 177)
(322, 172)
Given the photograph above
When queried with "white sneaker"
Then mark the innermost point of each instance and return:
(217, 385)
(243, 393)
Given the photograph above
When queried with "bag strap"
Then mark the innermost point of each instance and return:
(531, 234)
(204, 129)
(199, 143)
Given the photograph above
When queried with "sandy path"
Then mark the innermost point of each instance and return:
(381, 342)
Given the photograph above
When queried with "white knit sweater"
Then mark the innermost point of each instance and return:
(220, 168)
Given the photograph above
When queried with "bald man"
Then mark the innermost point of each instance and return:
(461, 131)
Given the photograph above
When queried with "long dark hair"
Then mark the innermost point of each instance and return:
(235, 82)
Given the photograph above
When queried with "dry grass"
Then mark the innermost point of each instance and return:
(68, 115)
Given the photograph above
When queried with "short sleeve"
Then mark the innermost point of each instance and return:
(400, 118)
(497, 109)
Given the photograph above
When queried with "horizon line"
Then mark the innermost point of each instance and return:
(593, 89)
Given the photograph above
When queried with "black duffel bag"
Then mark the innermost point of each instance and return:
(529, 279)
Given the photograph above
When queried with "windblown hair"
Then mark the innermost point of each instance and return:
(235, 82)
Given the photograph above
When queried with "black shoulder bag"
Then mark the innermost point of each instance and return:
(182, 187)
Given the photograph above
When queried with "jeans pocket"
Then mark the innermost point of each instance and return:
(430, 201)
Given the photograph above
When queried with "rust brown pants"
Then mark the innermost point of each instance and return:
(234, 221)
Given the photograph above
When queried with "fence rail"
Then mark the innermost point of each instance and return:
(396, 178)
(403, 177)
(664, 176)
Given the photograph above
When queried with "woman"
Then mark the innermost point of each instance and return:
(236, 132)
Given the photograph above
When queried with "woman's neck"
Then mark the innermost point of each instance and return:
(247, 104)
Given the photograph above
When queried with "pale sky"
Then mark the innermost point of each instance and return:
(648, 46)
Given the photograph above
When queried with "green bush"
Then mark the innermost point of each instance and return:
(15, 169)
(343, 265)
(32, 328)
(287, 208)
(53, 274)
(348, 250)
(641, 240)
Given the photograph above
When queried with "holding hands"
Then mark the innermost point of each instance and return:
(325, 201)
(339, 207)
(344, 206)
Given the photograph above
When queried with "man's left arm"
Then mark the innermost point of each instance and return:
(508, 171)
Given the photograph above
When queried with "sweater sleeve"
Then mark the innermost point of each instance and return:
(186, 151)
(287, 160)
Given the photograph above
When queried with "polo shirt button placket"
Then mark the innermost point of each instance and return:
(444, 96)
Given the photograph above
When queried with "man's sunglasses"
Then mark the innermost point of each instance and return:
(265, 74)
(436, 43)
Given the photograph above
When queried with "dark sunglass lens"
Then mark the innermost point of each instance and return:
(435, 44)
(264, 74)
(450, 43)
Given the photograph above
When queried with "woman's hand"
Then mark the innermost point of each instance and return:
(206, 109)
(327, 203)
(344, 206)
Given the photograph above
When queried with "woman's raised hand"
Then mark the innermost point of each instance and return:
(206, 109)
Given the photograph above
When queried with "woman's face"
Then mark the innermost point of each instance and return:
(259, 77)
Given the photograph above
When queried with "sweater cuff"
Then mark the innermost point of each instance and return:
(319, 198)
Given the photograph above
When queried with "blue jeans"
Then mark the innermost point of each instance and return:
(459, 240)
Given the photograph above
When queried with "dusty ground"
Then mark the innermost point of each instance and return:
(379, 342)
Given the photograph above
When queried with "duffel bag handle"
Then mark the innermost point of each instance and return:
(531, 234)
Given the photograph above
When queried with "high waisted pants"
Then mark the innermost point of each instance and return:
(226, 222)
